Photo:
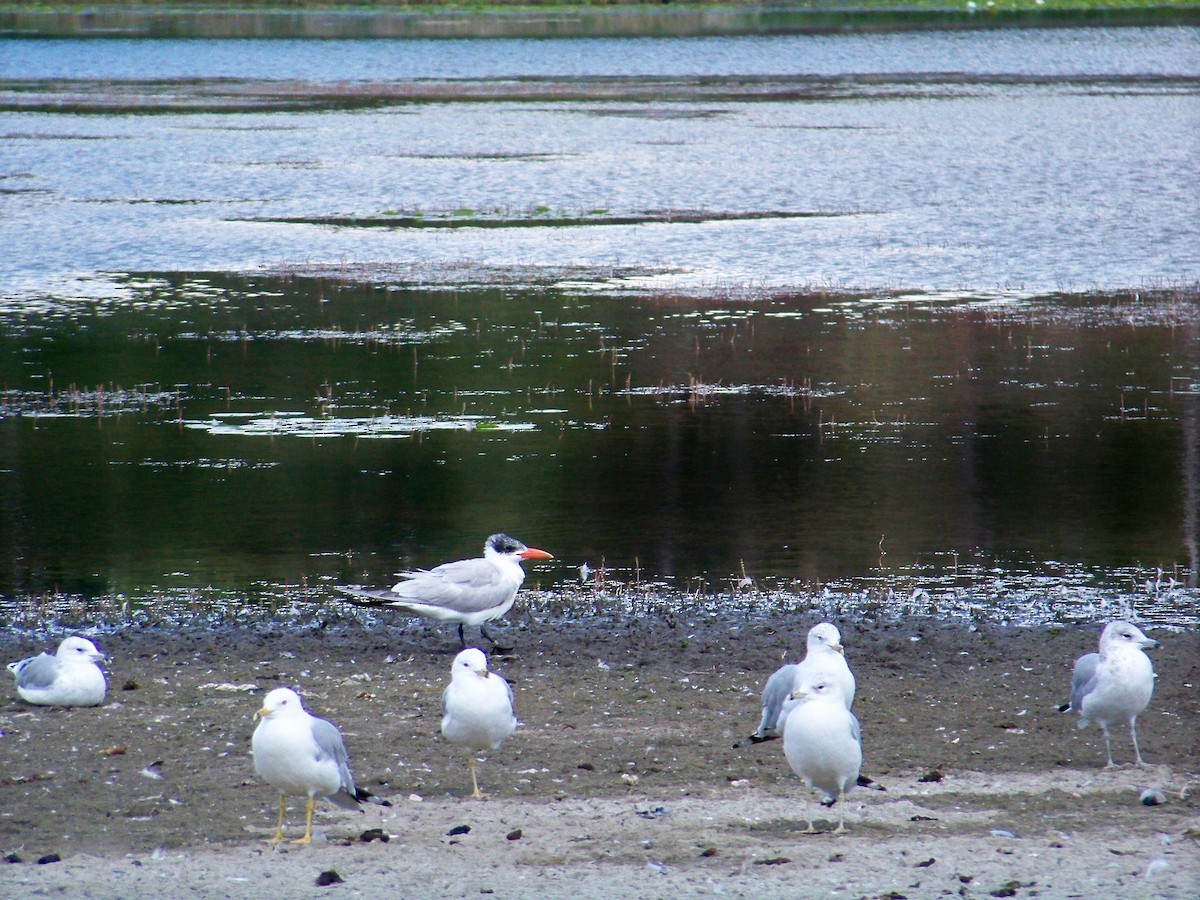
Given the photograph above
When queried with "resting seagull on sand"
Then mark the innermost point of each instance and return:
(822, 740)
(297, 753)
(466, 592)
(826, 654)
(477, 707)
(71, 677)
(1113, 686)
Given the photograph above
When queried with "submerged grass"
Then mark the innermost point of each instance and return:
(541, 217)
(521, 18)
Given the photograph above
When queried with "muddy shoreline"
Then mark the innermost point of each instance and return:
(623, 770)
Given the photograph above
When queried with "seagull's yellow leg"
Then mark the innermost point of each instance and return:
(841, 829)
(279, 831)
(474, 783)
(808, 818)
(307, 823)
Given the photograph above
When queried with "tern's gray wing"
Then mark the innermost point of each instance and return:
(37, 672)
(776, 691)
(1083, 679)
(466, 586)
(331, 746)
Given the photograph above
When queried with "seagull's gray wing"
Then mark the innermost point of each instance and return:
(37, 672)
(1083, 680)
(331, 746)
(855, 730)
(776, 691)
(445, 693)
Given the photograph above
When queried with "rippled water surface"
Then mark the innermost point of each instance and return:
(892, 314)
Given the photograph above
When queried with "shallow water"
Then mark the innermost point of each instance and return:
(700, 398)
(1027, 160)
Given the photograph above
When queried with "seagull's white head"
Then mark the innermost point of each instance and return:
(77, 649)
(1118, 635)
(820, 686)
(825, 636)
(468, 663)
(280, 702)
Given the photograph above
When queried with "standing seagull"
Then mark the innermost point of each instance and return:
(822, 740)
(477, 707)
(300, 754)
(826, 654)
(1114, 685)
(468, 592)
(71, 677)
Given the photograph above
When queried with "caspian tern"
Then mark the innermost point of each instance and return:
(297, 753)
(468, 592)
(477, 708)
(1114, 685)
(68, 678)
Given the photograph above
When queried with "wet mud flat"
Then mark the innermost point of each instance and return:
(622, 779)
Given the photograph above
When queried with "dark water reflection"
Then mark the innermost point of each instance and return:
(241, 432)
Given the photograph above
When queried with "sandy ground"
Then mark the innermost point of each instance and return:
(622, 780)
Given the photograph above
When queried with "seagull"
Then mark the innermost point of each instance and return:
(71, 677)
(825, 652)
(1114, 685)
(298, 753)
(468, 592)
(477, 707)
(822, 740)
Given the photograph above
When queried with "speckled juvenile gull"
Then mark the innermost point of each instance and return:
(477, 707)
(1113, 686)
(299, 754)
(822, 740)
(71, 677)
(825, 653)
(465, 592)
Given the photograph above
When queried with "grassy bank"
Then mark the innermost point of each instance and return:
(521, 18)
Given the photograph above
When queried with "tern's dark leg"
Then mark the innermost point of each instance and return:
(496, 646)
(461, 637)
